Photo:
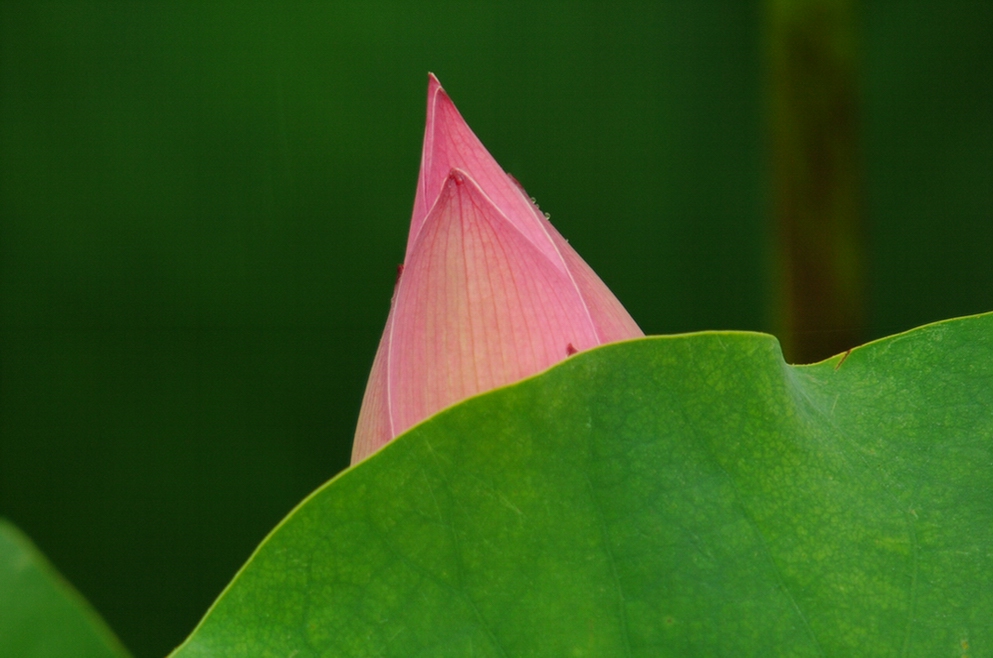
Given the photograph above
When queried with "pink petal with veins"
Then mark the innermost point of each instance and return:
(478, 307)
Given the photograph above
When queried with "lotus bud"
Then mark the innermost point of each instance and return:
(489, 292)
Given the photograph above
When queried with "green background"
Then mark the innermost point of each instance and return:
(202, 206)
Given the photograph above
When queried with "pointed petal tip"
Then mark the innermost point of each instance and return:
(460, 178)
(435, 88)
(437, 93)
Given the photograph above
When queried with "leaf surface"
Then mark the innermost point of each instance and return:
(41, 615)
(669, 496)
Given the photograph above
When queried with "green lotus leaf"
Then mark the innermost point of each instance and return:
(688, 495)
(41, 615)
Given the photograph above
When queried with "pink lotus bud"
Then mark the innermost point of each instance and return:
(489, 292)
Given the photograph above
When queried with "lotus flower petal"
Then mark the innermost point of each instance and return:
(449, 144)
(490, 292)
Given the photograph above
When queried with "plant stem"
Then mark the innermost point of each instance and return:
(813, 89)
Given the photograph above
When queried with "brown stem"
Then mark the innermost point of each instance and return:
(813, 87)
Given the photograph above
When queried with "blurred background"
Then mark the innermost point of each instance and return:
(202, 206)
